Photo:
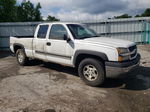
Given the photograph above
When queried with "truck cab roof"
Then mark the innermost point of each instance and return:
(50, 23)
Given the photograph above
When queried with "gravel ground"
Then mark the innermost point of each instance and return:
(48, 87)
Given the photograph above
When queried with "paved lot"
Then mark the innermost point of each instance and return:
(48, 87)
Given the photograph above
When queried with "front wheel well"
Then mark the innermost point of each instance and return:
(84, 56)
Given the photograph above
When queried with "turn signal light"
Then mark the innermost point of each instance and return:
(120, 58)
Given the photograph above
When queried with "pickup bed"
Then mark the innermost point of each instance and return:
(75, 45)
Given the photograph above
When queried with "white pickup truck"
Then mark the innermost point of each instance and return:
(75, 45)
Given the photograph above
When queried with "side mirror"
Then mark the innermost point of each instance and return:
(66, 38)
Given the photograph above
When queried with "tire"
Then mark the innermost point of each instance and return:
(91, 71)
(21, 57)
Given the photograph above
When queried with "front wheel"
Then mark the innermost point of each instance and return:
(91, 71)
(21, 57)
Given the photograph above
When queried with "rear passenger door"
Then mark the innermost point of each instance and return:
(39, 42)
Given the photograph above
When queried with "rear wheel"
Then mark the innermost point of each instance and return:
(21, 57)
(91, 71)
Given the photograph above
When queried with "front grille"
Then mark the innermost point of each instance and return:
(133, 55)
(132, 48)
(133, 51)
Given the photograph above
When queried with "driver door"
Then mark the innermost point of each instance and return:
(58, 49)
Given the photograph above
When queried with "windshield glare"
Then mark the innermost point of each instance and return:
(81, 31)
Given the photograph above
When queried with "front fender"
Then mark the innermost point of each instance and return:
(88, 52)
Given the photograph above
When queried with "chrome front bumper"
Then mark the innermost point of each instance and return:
(120, 70)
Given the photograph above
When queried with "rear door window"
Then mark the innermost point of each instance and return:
(42, 31)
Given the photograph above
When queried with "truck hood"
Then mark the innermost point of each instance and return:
(108, 42)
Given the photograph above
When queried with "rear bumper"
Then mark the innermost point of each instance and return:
(119, 69)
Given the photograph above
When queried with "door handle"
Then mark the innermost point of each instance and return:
(48, 44)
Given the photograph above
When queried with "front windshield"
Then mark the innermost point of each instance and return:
(81, 31)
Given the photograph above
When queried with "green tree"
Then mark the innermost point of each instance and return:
(27, 12)
(138, 16)
(146, 13)
(52, 18)
(7, 10)
(37, 12)
(123, 16)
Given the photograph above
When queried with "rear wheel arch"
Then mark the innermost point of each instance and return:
(17, 46)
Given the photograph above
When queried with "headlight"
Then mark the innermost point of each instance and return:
(123, 54)
(122, 50)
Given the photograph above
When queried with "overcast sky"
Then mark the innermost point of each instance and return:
(69, 10)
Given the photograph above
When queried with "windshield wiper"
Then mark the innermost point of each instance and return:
(84, 37)
(88, 37)
(95, 36)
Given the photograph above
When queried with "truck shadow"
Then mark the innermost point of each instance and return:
(138, 79)
(60, 68)
(4, 54)
(141, 80)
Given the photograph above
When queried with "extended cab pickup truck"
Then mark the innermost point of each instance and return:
(75, 45)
